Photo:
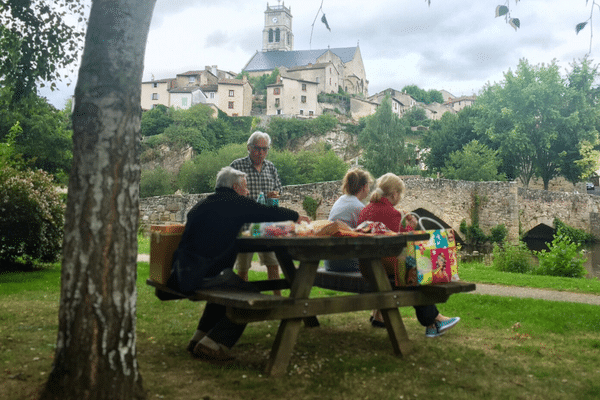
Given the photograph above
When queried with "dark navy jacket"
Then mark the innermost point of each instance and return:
(207, 246)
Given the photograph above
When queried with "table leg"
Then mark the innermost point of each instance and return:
(393, 320)
(287, 334)
(289, 271)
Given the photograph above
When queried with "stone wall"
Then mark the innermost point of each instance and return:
(448, 200)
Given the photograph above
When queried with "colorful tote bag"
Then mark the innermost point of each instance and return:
(429, 261)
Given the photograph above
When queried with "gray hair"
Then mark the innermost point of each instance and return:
(227, 176)
(259, 135)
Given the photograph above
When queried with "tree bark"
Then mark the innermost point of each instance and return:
(96, 345)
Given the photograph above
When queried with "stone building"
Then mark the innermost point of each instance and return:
(335, 68)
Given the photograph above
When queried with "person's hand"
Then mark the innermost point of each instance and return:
(273, 194)
(411, 221)
(303, 218)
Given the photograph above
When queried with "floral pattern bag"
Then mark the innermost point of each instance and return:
(429, 261)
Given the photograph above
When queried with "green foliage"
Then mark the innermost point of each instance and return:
(198, 175)
(541, 122)
(448, 135)
(156, 182)
(475, 162)
(422, 95)
(416, 116)
(498, 233)
(512, 257)
(43, 137)
(38, 39)
(575, 235)
(260, 83)
(285, 132)
(31, 226)
(156, 120)
(311, 206)
(473, 233)
(383, 141)
(563, 259)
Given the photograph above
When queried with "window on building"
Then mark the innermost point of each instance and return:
(278, 112)
(301, 112)
(270, 35)
(276, 91)
(277, 102)
(184, 102)
(234, 115)
(192, 79)
(231, 93)
(155, 85)
(303, 99)
(212, 95)
(311, 113)
(277, 35)
(154, 96)
(304, 87)
(230, 104)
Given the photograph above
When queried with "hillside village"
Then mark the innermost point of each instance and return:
(303, 76)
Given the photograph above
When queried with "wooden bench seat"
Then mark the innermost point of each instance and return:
(354, 282)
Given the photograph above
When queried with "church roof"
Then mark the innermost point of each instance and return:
(269, 60)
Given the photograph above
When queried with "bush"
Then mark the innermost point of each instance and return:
(32, 221)
(563, 259)
(498, 233)
(311, 206)
(156, 182)
(512, 258)
(574, 234)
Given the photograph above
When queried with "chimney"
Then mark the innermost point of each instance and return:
(214, 70)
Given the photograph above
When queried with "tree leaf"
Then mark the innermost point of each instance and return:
(515, 23)
(580, 26)
(501, 10)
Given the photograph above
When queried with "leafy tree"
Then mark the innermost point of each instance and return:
(156, 182)
(198, 175)
(36, 42)
(422, 95)
(475, 162)
(260, 83)
(446, 136)
(95, 356)
(156, 120)
(532, 118)
(286, 163)
(44, 139)
(416, 116)
(383, 141)
(285, 132)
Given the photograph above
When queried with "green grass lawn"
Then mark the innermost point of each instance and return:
(503, 348)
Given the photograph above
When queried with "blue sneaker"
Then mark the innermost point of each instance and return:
(433, 331)
(443, 326)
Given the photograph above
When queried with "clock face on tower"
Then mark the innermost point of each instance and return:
(274, 19)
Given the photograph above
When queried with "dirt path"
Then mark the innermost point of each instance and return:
(496, 290)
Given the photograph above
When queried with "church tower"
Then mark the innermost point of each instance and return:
(277, 34)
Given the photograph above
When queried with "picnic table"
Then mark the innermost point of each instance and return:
(244, 307)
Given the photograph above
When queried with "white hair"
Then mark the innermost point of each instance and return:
(228, 176)
(259, 135)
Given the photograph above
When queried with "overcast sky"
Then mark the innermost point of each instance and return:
(454, 45)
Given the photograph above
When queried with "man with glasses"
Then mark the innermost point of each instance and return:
(261, 176)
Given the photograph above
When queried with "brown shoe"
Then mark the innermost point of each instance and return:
(216, 357)
(191, 345)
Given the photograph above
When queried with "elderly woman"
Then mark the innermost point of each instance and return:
(355, 186)
(381, 208)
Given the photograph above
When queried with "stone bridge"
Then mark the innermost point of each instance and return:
(522, 211)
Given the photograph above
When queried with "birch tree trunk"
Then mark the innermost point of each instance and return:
(96, 350)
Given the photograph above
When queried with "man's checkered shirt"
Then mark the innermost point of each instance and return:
(264, 181)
